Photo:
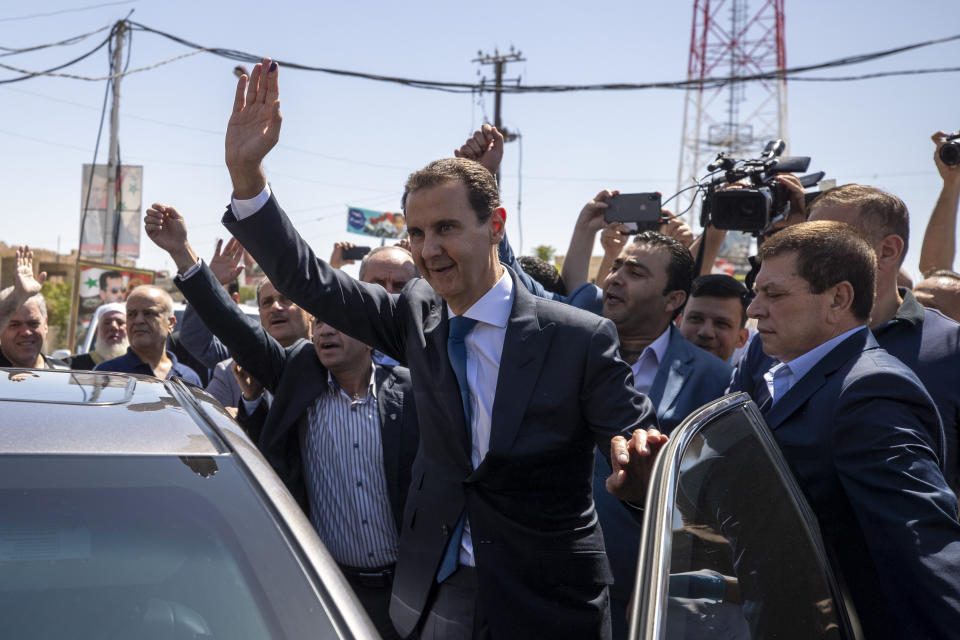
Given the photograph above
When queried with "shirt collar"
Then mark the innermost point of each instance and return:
(801, 365)
(494, 306)
(910, 310)
(656, 351)
(371, 388)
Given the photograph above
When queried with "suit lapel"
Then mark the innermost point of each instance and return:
(804, 388)
(525, 347)
(670, 379)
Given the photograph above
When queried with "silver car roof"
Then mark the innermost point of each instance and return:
(84, 412)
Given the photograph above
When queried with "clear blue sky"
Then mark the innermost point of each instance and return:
(354, 141)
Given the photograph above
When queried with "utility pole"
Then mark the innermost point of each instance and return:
(499, 63)
(110, 225)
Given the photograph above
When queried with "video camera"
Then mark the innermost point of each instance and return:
(950, 151)
(754, 208)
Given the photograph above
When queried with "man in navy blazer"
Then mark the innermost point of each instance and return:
(923, 339)
(321, 390)
(501, 482)
(859, 431)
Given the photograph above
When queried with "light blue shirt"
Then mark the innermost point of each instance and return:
(782, 376)
(484, 346)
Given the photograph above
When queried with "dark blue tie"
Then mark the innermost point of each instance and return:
(457, 353)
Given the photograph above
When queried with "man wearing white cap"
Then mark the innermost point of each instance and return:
(111, 342)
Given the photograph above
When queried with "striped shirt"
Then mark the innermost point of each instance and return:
(349, 503)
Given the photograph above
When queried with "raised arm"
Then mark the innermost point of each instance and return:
(247, 341)
(576, 264)
(939, 240)
(24, 286)
(365, 312)
(194, 334)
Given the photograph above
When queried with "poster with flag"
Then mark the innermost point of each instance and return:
(98, 283)
(379, 224)
(123, 230)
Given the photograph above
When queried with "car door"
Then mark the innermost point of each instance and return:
(730, 548)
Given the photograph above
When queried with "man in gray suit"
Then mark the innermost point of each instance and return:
(499, 535)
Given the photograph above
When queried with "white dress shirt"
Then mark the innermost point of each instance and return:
(484, 346)
(646, 367)
(246, 208)
(784, 375)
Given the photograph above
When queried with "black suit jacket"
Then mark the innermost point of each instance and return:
(864, 441)
(561, 391)
(295, 376)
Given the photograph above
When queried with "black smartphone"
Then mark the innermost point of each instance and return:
(639, 211)
(355, 253)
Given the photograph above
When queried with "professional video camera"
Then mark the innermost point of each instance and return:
(763, 202)
(950, 151)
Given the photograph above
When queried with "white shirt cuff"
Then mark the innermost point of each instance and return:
(192, 270)
(246, 208)
(251, 405)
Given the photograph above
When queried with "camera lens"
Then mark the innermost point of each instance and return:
(950, 153)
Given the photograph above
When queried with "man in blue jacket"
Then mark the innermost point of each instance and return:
(858, 429)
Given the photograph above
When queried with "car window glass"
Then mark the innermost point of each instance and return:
(744, 558)
(146, 547)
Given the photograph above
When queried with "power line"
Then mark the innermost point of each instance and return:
(462, 87)
(69, 41)
(28, 75)
(112, 76)
(62, 11)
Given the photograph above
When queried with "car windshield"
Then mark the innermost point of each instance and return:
(733, 550)
(146, 547)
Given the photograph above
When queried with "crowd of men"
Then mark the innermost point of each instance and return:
(472, 434)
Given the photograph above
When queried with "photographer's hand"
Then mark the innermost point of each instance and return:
(677, 229)
(336, 258)
(939, 244)
(576, 265)
(798, 202)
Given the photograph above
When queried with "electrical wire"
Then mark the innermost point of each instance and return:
(463, 87)
(29, 74)
(62, 11)
(93, 165)
(112, 76)
(460, 87)
(69, 41)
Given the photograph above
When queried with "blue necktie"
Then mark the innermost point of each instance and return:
(457, 353)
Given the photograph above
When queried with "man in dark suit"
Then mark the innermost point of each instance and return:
(513, 393)
(328, 396)
(859, 431)
(923, 339)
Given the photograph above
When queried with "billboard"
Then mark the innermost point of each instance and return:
(125, 228)
(97, 283)
(379, 224)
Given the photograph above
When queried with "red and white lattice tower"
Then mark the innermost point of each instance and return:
(730, 39)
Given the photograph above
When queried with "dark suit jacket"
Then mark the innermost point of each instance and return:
(864, 441)
(295, 377)
(687, 379)
(927, 342)
(561, 391)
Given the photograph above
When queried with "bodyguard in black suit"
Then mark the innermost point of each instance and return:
(859, 431)
(293, 436)
(502, 479)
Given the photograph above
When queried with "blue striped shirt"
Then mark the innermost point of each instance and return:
(349, 503)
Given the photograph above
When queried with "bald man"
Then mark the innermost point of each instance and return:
(150, 321)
